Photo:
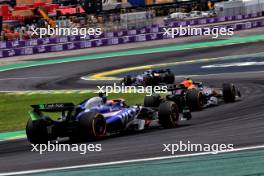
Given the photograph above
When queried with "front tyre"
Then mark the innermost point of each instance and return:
(127, 80)
(168, 114)
(229, 92)
(92, 126)
(194, 99)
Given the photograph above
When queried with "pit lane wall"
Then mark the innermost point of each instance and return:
(153, 32)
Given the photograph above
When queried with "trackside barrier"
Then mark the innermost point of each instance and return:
(148, 29)
(74, 43)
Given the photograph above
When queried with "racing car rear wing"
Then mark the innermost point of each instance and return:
(53, 107)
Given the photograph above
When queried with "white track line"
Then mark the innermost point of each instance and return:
(236, 64)
(46, 77)
(126, 161)
(218, 74)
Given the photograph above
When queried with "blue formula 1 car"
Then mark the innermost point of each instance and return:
(96, 118)
(150, 78)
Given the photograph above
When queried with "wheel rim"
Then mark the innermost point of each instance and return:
(99, 126)
(200, 100)
(174, 113)
(233, 92)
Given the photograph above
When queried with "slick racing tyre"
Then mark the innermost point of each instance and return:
(194, 99)
(169, 78)
(229, 92)
(168, 114)
(37, 132)
(148, 80)
(127, 80)
(92, 126)
(152, 101)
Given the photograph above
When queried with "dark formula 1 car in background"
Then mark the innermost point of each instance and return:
(96, 118)
(150, 78)
(196, 96)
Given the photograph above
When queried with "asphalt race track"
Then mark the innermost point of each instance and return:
(240, 123)
(67, 75)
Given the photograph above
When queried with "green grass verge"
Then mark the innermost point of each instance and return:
(14, 108)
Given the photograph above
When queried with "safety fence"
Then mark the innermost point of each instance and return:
(154, 32)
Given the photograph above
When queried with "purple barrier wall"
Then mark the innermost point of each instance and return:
(114, 40)
(2, 45)
(216, 19)
(145, 30)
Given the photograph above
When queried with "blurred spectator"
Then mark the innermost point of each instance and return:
(108, 22)
(2, 36)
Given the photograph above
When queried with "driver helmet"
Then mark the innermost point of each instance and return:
(104, 98)
(187, 83)
(148, 72)
(93, 102)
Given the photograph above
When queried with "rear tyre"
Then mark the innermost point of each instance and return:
(229, 92)
(92, 126)
(127, 80)
(168, 114)
(169, 78)
(36, 131)
(152, 101)
(194, 99)
(148, 80)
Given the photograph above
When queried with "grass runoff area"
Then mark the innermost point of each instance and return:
(14, 108)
